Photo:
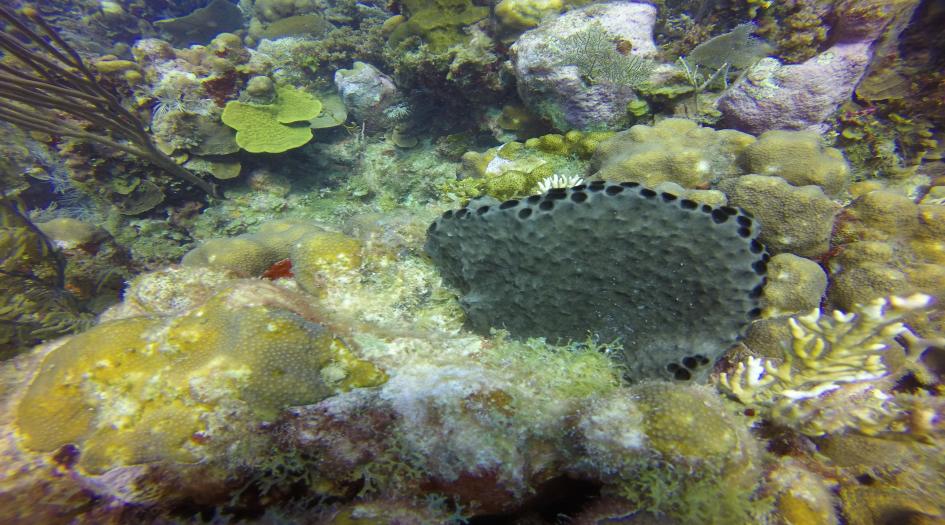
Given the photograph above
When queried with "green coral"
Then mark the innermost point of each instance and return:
(439, 23)
(684, 475)
(266, 128)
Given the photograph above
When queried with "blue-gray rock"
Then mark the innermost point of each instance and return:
(367, 92)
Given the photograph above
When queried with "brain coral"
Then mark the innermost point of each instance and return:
(166, 389)
(675, 281)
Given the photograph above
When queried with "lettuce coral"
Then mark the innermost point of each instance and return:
(266, 128)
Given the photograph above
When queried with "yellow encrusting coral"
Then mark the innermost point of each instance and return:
(323, 255)
(828, 381)
(154, 388)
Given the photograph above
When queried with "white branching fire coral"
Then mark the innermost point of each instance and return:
(834, 378)
(558, 181)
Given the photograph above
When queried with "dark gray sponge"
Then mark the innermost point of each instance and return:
(675, 281)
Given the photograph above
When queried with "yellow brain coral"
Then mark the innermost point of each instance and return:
(155, 388)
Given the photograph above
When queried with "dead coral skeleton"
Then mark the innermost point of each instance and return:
(833, 377)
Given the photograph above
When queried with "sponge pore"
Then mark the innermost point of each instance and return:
(674, 281)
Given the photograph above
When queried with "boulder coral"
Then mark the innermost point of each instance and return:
(683, 152)
(796, 220)
(794, 285)
(673, 150)
(799, 158)
(184, 389)
(886, 244)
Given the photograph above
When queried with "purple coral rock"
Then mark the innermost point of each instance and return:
(795, 97)
(555, 90)
(366, 93)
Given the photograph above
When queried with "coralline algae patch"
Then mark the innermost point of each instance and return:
(674, 281)
(169, 389)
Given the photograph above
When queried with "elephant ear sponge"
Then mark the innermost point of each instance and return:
(165, 389)
(674, 281)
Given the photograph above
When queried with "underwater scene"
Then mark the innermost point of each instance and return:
(489, 262)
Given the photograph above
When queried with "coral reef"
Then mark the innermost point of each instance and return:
(591, 330)
(228, 338)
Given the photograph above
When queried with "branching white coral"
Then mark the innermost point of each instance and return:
(558, 181)
(829, 378)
